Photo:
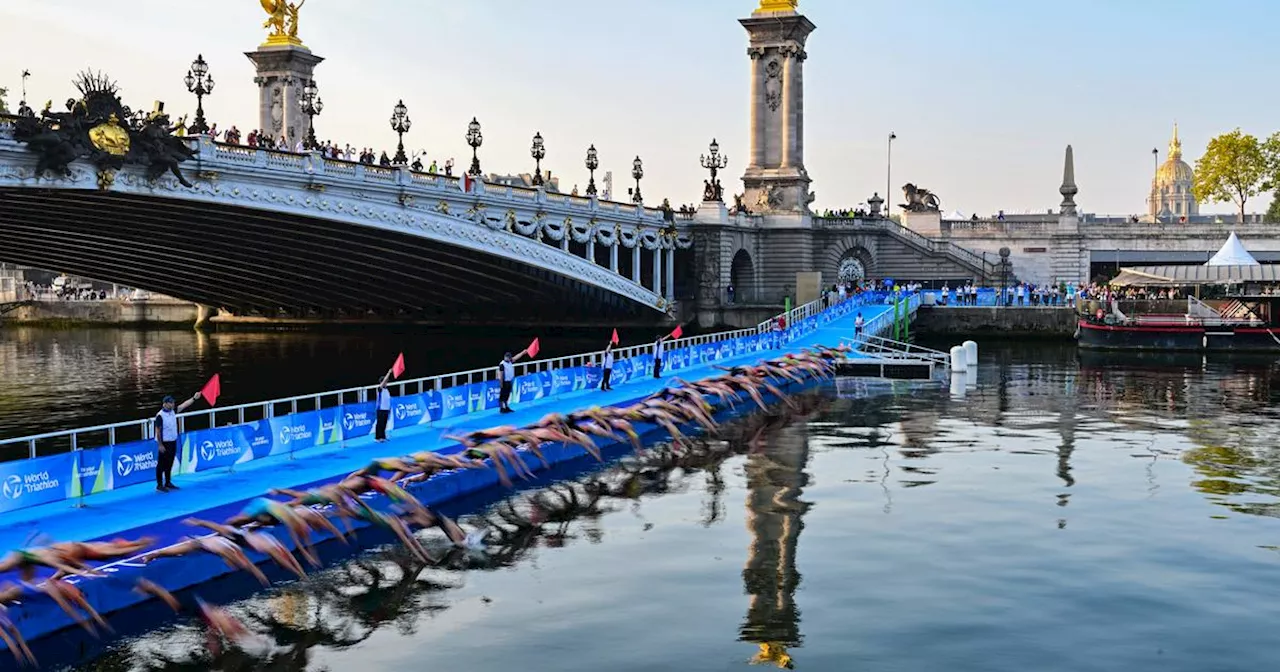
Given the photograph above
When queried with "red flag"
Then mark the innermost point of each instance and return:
(533, 348)
(397, 369)
(466, 183)
(212, 389)
(614, 340)
(676, 333)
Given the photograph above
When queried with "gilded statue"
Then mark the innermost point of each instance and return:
(282, 20)
(110, 137)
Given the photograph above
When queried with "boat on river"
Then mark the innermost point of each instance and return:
(1232, 304)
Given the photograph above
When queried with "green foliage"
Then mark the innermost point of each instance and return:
(1273, 212)
(1234, 168)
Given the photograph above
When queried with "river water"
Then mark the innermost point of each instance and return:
(1069, 513)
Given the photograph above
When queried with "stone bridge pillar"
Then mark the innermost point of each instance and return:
(283, 69)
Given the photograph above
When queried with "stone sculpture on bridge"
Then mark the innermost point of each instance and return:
(101, 129)
(919, 199)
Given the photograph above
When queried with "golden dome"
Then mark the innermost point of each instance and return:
(1174, 169)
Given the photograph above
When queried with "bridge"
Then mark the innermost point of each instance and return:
(277, 233)
(273, 234)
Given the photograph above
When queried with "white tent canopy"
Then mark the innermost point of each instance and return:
(1232, 254)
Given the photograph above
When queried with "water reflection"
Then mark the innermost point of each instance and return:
(342, 607)
(775, 482)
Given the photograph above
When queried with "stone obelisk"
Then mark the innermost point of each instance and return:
(284, 67)
(775, 180)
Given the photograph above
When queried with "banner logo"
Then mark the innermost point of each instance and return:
(17, 484)
(13, 487)
(206, 451)
(124, 465)
(285, 435)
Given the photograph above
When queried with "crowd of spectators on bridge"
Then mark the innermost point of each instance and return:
(846, 213)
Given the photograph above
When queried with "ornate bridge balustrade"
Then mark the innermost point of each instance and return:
(462, 231)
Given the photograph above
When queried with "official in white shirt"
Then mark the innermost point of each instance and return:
(506, 378)
(166, 432)
(858, 324)
(658, 347)
(606, 365)
(384, 409)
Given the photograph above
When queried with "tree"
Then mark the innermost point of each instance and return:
(1233, 169)
(1273, 212)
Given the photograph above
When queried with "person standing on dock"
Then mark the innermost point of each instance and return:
(606, 367)
(384, 408)
(166, 432)
(506, 378)
(658, 347)
(858, 324)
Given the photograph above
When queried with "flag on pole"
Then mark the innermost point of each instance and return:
(466, 183)
(397, 369)
(533, 348)
(676, 333)
(212, 389)
(614, 339)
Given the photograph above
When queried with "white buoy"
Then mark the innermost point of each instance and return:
(971, 352)
(957, 385)
(959, 362)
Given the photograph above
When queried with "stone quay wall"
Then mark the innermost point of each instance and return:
(991, 322)
(105, 313)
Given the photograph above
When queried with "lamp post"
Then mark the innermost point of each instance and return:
(714, 162)
(538, 151)
(400, 123)
(637, 171)
(474, 139)
(888, 168)
(593, 162)
(199, 82)
(311, 106)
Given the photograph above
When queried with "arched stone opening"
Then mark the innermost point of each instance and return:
(742, 276)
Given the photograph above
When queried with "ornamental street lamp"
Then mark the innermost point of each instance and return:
(474, 139)
(311, 106)
(714, 162)
(593, 162)
(199, 82)
(888, 166)
(400, 123)
(537, 152)
(637, 171)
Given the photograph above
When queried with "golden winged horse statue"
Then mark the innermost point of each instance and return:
(282, 20)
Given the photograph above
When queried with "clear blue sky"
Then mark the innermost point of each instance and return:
(983, 94)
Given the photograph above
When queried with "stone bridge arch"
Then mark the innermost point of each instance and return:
(849, 254)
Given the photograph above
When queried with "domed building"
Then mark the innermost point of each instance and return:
(1171, 196)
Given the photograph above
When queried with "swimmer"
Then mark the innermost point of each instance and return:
(222, 625)
(147, 587)
(26, 561)
(13, 639)
(256, 541)
(223, 547)
(268, 512)
(70, 598)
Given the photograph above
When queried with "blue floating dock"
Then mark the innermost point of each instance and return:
(139, 511)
